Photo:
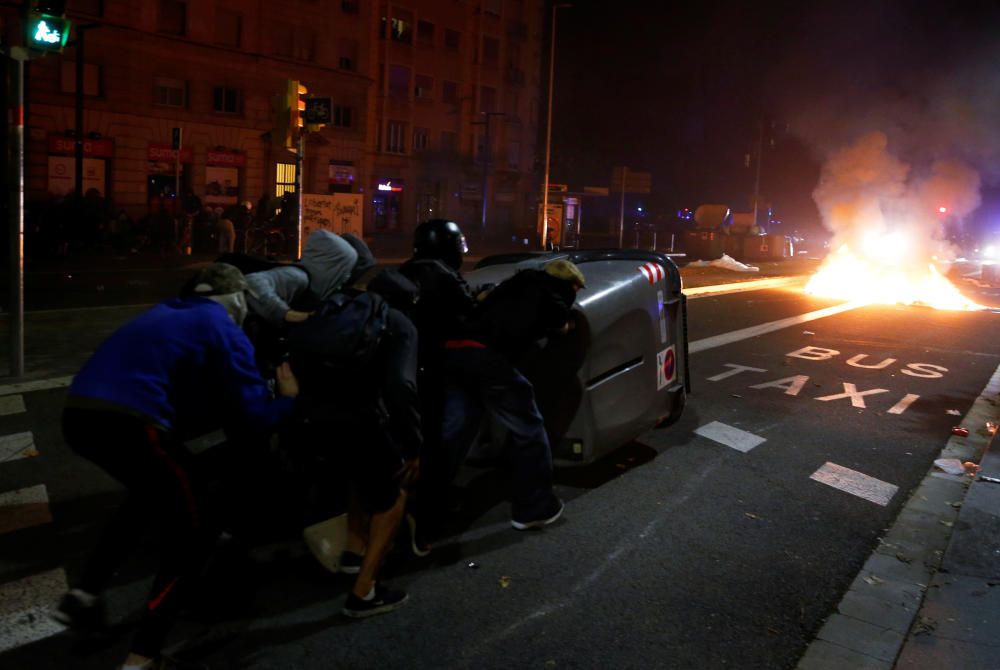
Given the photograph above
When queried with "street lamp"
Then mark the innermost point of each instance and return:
(548, 126)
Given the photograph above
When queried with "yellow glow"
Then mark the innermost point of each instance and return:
(884, 279)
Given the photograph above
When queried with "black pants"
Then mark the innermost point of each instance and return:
(163, 489)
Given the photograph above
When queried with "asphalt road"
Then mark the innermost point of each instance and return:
(675, 552)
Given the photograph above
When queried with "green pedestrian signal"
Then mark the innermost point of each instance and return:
(46, 33)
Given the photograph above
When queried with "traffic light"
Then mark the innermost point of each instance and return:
(46, 29)
(296, 105)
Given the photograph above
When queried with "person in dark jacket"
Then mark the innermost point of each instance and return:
(483, 377)
(446, 301)
(177, 371)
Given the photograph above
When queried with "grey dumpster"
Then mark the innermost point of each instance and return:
(623, 369)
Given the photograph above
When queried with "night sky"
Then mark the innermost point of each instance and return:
(681, 90)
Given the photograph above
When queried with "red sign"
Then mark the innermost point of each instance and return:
(60, 145)
(162, 153)
(226, 159)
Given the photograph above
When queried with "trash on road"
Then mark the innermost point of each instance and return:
(952, 466)
(504, 581)
(991, 480)
(751, 515)
(735, 395)
(961, 432)
(473, 565)
(954, 412)
(991, 427)
(873, 580)
(808, 332)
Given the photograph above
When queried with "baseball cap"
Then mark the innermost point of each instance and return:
(567, 271)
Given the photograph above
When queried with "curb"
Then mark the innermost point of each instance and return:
(874, 617)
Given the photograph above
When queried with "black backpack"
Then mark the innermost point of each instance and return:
(343, 334)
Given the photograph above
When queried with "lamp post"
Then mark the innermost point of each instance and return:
(548, 126)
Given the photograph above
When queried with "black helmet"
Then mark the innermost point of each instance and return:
(442, 240)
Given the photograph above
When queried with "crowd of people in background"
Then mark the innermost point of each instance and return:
(376, 379)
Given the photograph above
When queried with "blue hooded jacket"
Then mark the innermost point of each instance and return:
(185, 366)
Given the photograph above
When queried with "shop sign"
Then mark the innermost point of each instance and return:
(235, 159)
(163, 153)
(61, 145)
(390, 185)
(342, 174)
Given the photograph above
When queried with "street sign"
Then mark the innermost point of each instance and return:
(635, 182)
(558, 188)
(319, 110)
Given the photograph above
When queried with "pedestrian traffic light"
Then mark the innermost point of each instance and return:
(296, 105)
(44, 31)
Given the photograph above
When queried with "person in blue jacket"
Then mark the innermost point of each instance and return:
(179, 370)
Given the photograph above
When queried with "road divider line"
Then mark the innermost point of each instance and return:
(738, 287)
(36, 385)
(730, 436)
(17, 446)
(25, 606)
(771, 326)
(856, 483)
(24, 508)
(12, 404)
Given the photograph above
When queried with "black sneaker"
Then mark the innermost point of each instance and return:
(548, 515)
(82, 613)
(419, 544)
(350, 563)
(385, 600)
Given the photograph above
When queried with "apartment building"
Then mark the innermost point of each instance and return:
(416, 89)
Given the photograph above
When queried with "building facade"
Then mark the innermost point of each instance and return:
(416, 89)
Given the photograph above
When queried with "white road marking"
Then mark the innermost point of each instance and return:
(12, 404)
(24, 508)
(754, 331)
(904, 403)
(25, 606)
(738, 287)
(730, 436)
(856, 483)
(17, 445)
(36, 385)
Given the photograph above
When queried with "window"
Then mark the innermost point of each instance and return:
(425, 87)
(349, 6)
(402, 26)
(420, 136)
(449, 141)
(348, 55)
(491, 52)
(169, 92)
(396, 138)
(91, 78)
(304, 44)
(91, 7)
(284, 179)
(399, 81)
(425, 32)
(226, 100)
(172, 19)
(452, 38)
(228, 28)
(341, 116)
(449, 92)
(487, 99)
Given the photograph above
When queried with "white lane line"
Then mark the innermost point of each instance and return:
(17, 445)
(24, 508)
(25, 606)
(754, 331)
(12, 404)
(36, 385)
(738, 287)
(730, 436)
(856, 483)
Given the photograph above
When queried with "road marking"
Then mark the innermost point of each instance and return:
(12, 404)
(25, 606)
(739, 287)
(730, 436)
(24, 508)
(36, 385)
(856, 483)
(771, 326)
(17, 446)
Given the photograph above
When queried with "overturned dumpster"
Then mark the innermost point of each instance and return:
(623, 369)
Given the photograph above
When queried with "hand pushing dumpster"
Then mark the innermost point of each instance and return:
(622, 369)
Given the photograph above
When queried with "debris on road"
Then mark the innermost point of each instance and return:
(991, 480)
(961, 432)
(473, 565)
(808, 332)
(952, 466)
(735, 395)
(991, 427)
(504, 581)
(751, 515)
(924, 626)
(873, 580)
(954, 412)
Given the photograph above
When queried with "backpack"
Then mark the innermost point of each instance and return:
(343, 334)
(396, 289)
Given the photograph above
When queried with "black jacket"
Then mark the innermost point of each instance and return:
(445, 304)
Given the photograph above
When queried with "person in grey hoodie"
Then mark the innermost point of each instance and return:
(326, 266)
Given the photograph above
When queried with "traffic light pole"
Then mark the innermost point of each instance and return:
(16, 208)
(298, 191)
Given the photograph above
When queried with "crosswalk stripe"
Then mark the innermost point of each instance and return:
(24, 508)
(24, 608)
(730, 436)
(856, 483)
(17, 445)
(12, 404)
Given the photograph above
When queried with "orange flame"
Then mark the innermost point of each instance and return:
(847, 276)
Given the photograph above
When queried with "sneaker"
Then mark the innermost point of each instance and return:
(385, 600)
(350, 563)
(548, 515)
(81, 612)
(419, 544)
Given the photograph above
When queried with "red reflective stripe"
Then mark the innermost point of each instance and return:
(20, 116)
(158, 600)
(182, 478)
(464, 344)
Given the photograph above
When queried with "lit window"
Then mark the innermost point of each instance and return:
(284, 179)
